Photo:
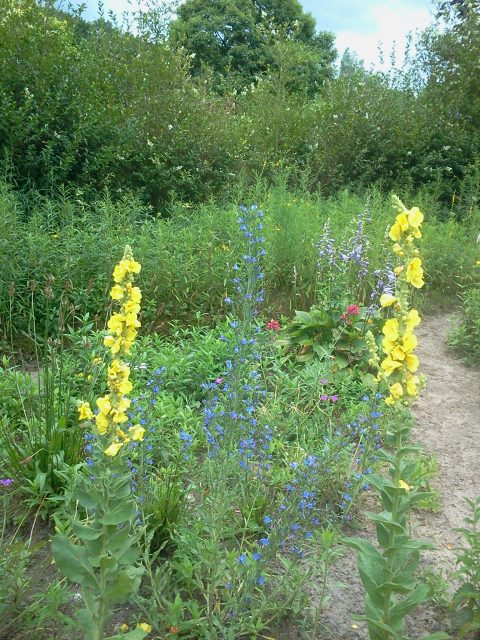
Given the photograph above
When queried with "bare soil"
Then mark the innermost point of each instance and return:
(447, 425)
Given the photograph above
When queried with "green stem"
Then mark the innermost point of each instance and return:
(392, 534)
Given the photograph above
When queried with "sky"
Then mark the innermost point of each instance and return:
(359, 25)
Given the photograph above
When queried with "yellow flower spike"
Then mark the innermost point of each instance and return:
(397, 250)
(414, 273)
(122, 325)
(124, 628)
(119, 417)
(386, 299)
(403, 485)
(113, 449)
(85, 411)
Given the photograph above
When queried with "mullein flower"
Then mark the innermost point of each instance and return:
(399, 341)
(113, 406)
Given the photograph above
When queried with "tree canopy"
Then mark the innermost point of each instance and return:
(236, 38)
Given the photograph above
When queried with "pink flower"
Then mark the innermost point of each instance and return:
(333, 398)
(323, 381)
(273, 325)
(324, 397)
(353, 310)
(218, 380)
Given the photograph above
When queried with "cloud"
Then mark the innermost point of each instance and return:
(390, 27)
(361, 26)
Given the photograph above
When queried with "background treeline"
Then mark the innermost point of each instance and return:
(183, 109)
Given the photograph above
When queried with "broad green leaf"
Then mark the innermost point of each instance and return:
(86, 498)
(402, 608)
(72, 561)
(124, 512)
(86, 624)
(85, 532)
(385, 517)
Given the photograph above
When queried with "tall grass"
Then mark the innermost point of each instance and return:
(66, 248)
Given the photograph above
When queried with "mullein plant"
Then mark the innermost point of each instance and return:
(388, 573)
(103, 557)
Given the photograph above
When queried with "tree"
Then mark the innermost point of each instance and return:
(235, 38)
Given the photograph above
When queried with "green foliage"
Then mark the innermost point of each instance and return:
(227, 90)
(330, 334)
(238, 40)
(40, 440)
(103, 558)
(465, 337)
(466, 601)
(388, 576)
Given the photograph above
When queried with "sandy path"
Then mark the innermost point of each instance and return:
(447, 424)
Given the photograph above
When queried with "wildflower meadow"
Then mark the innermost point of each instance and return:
(239, 326)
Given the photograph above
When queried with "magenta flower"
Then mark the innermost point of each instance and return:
(333, 398)
(324, 397)
(353, 310)
(218, 380)
(323, 381)
(273, 325)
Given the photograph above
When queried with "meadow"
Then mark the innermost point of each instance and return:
(215, 319)
(193, 438)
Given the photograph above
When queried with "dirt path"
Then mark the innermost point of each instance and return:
(447, 424)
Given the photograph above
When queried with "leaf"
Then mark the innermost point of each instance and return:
(86, 498)
(341, 361)
(123, 512)
(85, 532)
(402, 608)
(438, 635)
(371, 566)
(119, 590)
(303, 316)
(86, 624)
(385, 518)
(72, 561)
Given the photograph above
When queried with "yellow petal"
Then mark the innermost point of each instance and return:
(113, 449)
(386, 299)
